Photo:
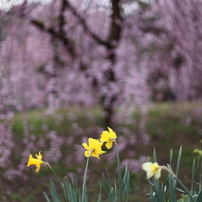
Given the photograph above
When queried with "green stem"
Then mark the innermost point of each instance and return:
(119, 172)
(168, 170)
(84, 180)
(61, 187)
(118, 161)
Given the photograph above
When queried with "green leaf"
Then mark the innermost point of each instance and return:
(53, 192)
(171, 156)
(46, 197)
(185, 189)
(194, 173)
(154, 155)
(179, 160)
(199, 198)
(172, 188)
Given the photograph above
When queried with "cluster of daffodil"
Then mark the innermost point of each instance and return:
(157, 190)
(94, 148)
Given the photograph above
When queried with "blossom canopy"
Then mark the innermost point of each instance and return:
(93, 148)
(109, 137)
(36, 161)
(152, 169)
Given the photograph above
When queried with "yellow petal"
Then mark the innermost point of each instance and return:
(39, 156)
(86, 146)
(87, 153)
(95, 155)
(37, 168)
(112, 133)
(109, 144)
(92, 142)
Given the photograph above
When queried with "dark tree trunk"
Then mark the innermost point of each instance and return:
(113, 40)
(110, 45)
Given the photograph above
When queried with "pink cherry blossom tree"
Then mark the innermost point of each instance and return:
(88, 53)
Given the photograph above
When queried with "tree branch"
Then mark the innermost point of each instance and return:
(85, 26)
(59, 35)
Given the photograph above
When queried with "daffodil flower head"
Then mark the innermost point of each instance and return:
(93, 148)
(109, 137)
(198, 151)
(36, 161)
(152, 169)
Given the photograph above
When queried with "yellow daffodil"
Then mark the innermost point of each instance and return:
(36, 161)
(198, 151)
(93, 148)
(109, 137)
(152, 169)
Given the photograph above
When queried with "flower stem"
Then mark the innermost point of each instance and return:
(84, 180)
(168, 170)
(61, 186)
(119, 172)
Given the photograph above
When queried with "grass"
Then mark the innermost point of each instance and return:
(182, 120)
(169, 126)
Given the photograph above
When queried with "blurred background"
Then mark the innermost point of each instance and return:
(71, 68)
